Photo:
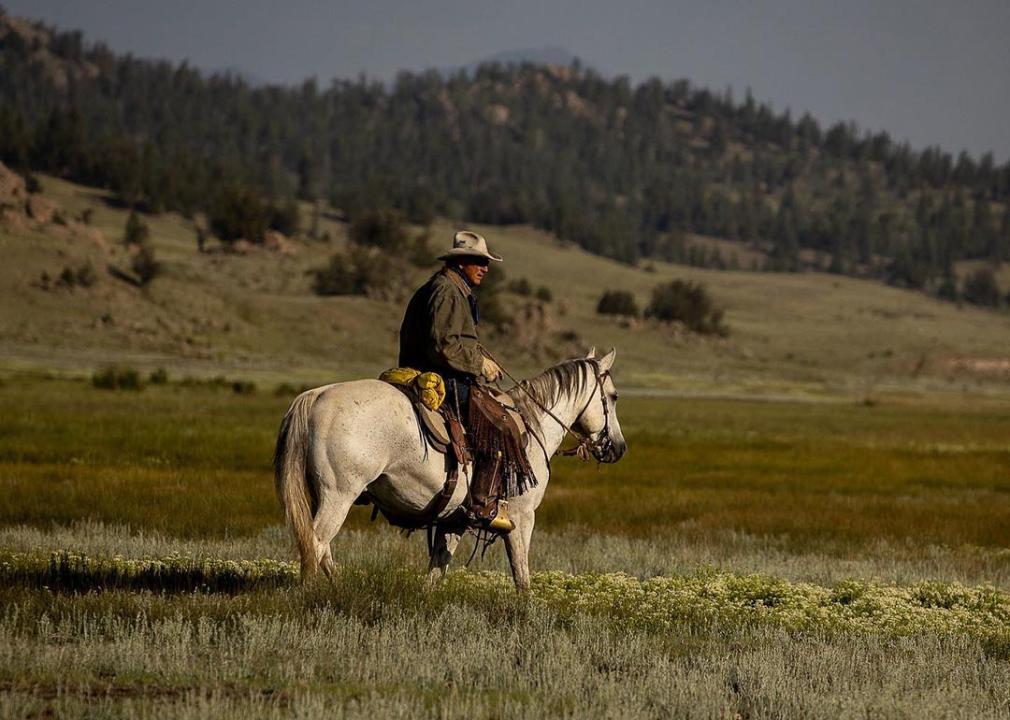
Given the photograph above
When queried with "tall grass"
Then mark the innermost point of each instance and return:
(659, 604)
(376, 642)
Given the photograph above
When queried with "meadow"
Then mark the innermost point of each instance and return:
(746, 559)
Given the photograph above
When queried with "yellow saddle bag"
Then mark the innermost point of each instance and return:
(428, 388)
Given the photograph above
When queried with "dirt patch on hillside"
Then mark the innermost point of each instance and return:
(992, 367)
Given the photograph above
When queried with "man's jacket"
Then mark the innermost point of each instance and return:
(439, 329)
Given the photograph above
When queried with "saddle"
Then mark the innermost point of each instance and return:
(495, 448)
(437, 424)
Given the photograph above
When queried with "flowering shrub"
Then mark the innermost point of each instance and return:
(663, 603)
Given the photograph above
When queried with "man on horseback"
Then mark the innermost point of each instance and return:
(439, 334)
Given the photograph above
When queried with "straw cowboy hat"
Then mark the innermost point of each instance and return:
(469, 244)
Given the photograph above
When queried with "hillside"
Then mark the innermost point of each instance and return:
(625, 171)
(254, 315)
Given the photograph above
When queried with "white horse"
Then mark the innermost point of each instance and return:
(339, 440)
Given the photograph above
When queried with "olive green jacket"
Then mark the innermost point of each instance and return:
(439, 332)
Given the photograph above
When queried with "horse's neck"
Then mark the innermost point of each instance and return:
(567, 408)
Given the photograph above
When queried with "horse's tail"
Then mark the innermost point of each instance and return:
(291, 481)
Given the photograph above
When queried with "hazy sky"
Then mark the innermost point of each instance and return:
(932, 72)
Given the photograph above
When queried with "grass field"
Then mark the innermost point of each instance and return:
(746, 559)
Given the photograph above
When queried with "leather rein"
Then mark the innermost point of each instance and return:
(587, 445)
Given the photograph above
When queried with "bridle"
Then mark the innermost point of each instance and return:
(588, 446)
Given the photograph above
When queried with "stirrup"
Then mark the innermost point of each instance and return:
(501, 522)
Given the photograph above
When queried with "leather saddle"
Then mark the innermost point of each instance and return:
(438, 431)
(435, 426)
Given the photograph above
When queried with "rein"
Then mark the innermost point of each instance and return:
(586, 444)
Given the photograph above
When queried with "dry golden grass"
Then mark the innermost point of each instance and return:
(804, 335)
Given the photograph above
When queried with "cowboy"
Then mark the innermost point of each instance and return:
(439, 333)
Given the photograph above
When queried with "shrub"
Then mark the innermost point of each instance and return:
(420, 253)
(32, 184)
(688, 303)
(521, 287)
(980, 288)
(381, 228)
(284, 217)
(617, 302)
(544, 294)
(117, 378)
(158, 377)
(81, 276)
(238, 213)
(243, 387)
(145, 265)
(137, 232)
(358, 271)
(948, 289)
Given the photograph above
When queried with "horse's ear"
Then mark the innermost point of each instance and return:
(591, 354)
(607, 361)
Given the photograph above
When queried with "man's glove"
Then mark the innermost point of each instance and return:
(490, 370)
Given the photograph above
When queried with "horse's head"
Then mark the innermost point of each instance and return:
(599, 419)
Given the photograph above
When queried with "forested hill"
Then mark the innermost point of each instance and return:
(624, 170)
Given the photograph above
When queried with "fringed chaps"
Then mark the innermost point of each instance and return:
(501, 468)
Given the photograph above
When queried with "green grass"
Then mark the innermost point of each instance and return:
(831, 477)
(745, 559)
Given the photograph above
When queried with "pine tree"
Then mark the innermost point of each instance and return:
(136, 232)
(1002, 252)
(983, 234)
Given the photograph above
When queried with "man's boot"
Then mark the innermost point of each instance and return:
(502, 522)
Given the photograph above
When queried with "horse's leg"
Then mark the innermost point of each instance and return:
(517, 547)
(441, 554)
(334, 505)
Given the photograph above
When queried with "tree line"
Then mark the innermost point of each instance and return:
(623, 170)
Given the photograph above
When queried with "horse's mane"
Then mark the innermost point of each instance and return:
(547, 388)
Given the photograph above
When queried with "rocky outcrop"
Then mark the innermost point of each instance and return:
(13, 193)
(278, 242)
(34, 40)
(21, 212)
(40, 209)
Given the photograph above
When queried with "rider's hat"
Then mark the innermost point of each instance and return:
(469, 244)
